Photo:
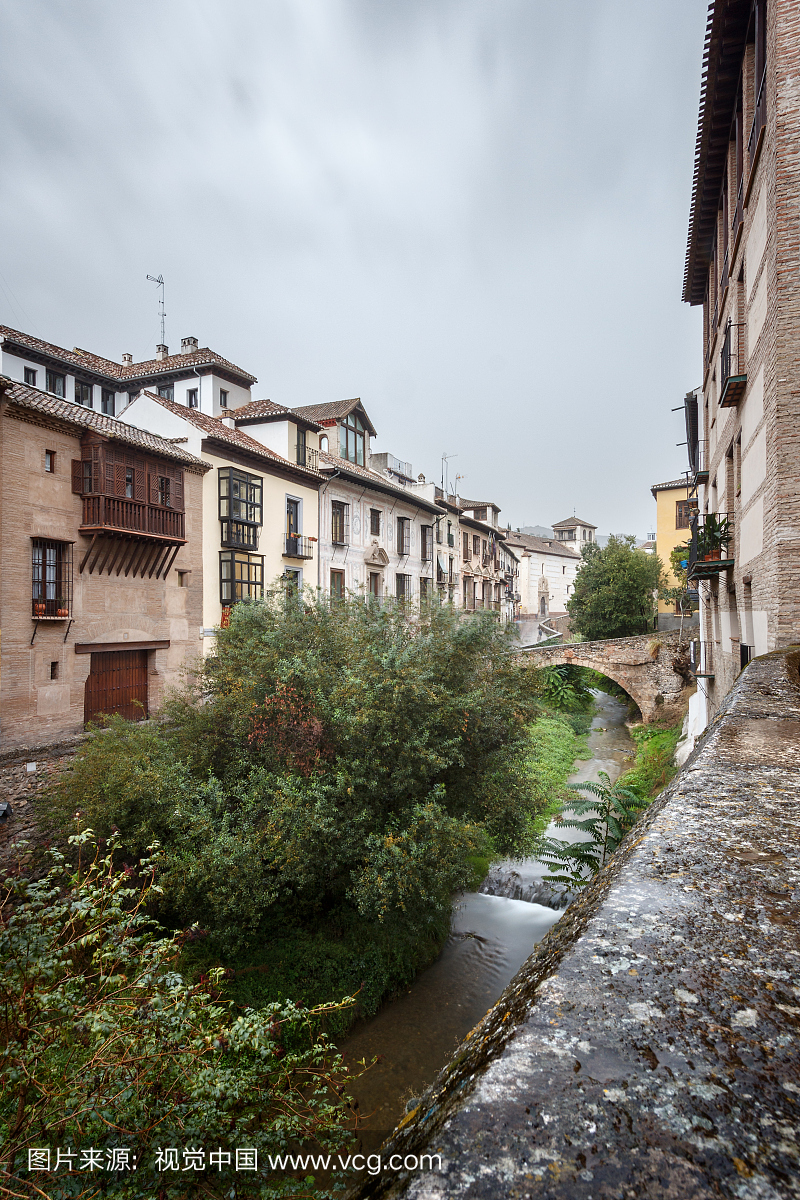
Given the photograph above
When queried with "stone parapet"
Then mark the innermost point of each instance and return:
(649, 1046)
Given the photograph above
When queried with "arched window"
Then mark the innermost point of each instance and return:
(351, 439)
(323, 443)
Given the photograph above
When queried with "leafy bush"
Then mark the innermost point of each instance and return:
(655, 759)
(338, 769)
(103, 1044)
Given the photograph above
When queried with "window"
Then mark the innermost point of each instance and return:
(183, 578)
(683, 513)
(54, 670)
(241, 576)
(337, 585)
(30, 376)
(424, 590)
(375, 585)
(465, 546)
(51, 579)
(451, 541)
(339, 522)
(403, 536)
(240, 507)
(163, 489)
(107, 402)
(301, 447)
(480, 514)
(132, 396)
(323, 443)
(129, 487)
(191, 397)
(293, 580)
(426, 543)
(402, 587)
(83, 394)
(375, 522)
(86, 471)
(50, 461)
(352, 439)
(56, 384)
(223, 399)
(166, 391)
(476, 546)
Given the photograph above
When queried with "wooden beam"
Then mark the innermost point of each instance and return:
(86, 555)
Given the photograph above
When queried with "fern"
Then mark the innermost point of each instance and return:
(604, 820)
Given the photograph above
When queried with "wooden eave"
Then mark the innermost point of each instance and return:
(268, 418)
(727, 34)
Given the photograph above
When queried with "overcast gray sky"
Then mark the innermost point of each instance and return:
(470, 213)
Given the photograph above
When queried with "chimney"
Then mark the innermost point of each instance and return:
(161, 351)
(188, 345)
(127, 360)
(228, 420)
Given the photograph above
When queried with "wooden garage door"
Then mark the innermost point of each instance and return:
(116, 681)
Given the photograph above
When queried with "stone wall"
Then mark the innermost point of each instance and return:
(648, 1047)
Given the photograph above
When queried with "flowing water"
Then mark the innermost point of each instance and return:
(492, 933)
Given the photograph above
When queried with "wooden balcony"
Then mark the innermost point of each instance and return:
(109, 514)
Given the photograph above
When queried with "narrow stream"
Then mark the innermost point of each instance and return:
(492, 933)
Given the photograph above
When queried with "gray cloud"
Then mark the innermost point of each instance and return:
(471, 214)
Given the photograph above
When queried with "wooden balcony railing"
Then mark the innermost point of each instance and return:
(759, 121)
(131, 516)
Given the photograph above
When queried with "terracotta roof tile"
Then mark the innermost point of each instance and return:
(329, 462)
(333, 410)
(665, 487)
(216, 428)
(571, 522)
(537, 545)
(116, 371)
(87, 418)
(267, 408)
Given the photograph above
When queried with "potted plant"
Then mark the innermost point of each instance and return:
(62, 608)
(39, 608)
(716, 536)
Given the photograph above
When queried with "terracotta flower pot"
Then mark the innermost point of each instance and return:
(38, 609)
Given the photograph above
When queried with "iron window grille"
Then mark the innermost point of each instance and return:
(241, 576)
(426, 543)
(340, 523)
(402, 587)
(240, 508)
(403, 536)
(51, 580)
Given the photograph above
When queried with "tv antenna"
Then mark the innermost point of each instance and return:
(445, 459)
(160, 283)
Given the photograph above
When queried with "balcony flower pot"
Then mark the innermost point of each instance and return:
(39, 608)
(62, 612)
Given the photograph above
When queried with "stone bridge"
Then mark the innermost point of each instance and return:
(647, 667)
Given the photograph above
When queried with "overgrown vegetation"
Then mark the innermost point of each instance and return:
(604, 819)
(335, 774)
(104, 1048)
(655, 759)
(613, 595)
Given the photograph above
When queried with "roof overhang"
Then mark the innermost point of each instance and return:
(727, 32)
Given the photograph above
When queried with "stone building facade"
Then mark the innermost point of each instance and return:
(742, 266)
(101, 592)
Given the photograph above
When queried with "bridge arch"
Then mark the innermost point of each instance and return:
(644, 666)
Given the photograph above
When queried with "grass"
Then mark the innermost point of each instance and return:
(655, 759)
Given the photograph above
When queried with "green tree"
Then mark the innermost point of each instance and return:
(614, 590)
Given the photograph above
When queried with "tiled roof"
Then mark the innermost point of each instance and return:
(665, 487)
(478, 504)
(571, 522)
(117, 371)
(42, 402)
(536, 545)
(329, 462)
(333, 410)
(267, 408)
(216, 428)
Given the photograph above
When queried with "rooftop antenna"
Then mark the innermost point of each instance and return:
(160, 282)
(445, 458)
